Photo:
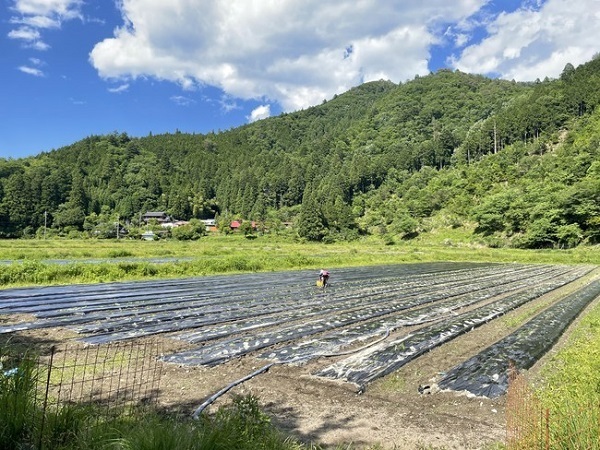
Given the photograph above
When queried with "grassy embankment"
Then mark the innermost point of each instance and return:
(89, 261)
(560, 409)
(572, 386)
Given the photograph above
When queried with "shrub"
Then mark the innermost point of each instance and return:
(190, 232)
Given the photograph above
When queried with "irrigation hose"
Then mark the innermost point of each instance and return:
(212, 398)
(264, 369)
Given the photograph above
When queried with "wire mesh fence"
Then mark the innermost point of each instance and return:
(47, 394)
(532, 426)
(526, 421)
(117, 377)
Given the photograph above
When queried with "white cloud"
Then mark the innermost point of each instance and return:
(67, 9)
(36, 62)
(228, 103)
(260, 112)
(31, 71)
(119, 89)
(286, 51)
(31, 16)
(29, 36)
(43, 22)
(24, 33)
(298, 53)
(182, 101)
(536, 41)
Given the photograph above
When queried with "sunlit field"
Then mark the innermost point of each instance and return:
(54, 261)
(60, 261)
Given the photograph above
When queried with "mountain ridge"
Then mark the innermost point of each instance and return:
(378, 159)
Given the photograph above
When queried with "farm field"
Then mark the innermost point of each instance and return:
(66, 261)
(395, 354)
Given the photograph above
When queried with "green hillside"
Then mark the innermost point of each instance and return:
(516, 162)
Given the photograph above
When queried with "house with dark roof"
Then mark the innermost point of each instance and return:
(158, 216)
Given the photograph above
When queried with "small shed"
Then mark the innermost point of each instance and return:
(210, 224)
(148, 235)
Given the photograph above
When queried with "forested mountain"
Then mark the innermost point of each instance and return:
(516, 159)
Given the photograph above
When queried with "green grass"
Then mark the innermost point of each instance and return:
(571, 389)
(33, 259)
(17, 404)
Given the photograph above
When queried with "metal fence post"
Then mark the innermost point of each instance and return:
(45, 404)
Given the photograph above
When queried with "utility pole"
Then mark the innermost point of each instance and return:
(117, 226)
(45, 222)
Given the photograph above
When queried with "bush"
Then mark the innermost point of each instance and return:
(190, 232)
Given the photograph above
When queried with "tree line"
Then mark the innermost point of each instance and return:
(515, 160)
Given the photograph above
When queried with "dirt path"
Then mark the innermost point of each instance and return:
(391, 412)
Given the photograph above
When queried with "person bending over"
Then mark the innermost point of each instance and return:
(323, 277)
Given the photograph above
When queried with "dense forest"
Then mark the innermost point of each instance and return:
(516, 161)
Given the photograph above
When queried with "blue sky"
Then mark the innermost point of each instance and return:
(74, 68)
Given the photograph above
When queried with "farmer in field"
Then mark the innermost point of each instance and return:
(323, 277)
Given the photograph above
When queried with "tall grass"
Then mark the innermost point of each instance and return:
(17, 400)
(91, 261)
(240, 426)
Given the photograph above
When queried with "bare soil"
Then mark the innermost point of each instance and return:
(391, 413)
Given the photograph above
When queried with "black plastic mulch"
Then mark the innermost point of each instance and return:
(487, 373)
